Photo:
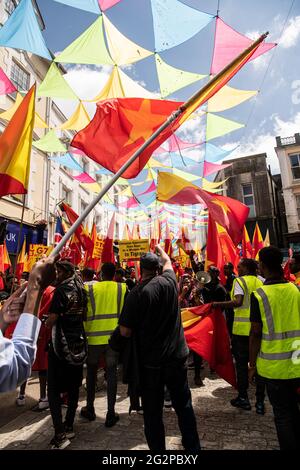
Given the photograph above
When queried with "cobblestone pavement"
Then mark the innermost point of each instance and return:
(220, 425)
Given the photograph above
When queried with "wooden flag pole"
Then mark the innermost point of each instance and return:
(190, 102)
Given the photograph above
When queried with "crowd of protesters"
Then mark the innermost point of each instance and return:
(118, 316)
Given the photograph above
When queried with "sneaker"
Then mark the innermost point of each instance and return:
(111, 420)
(70, 434)
(87, 413)
(43, 404)
(59, 441)
(198, 381)
(21, 400)
(242, 403)
(167, 403)
(260, 408)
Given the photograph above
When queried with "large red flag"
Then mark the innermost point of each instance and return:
(246, 244)
(81, 234)
(108, 251)
(257, 242)
(122, 125)
(206, 333)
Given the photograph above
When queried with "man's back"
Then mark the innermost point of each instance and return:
(152, 310)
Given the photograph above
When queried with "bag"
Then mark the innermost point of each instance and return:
(74, 354)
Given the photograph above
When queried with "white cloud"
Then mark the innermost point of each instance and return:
(265, 143)
(291, 33)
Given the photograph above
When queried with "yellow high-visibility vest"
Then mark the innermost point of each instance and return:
(241, 322)
(279, 356)
(105, 303)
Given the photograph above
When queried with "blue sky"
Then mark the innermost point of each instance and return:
(277, 108)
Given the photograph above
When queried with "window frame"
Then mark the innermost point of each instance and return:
(18, 84)
(293, 168)
(246, 197)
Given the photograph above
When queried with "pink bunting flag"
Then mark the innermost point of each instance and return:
(229, 44)
(151, 188)
(84, 178)
(6, 86)
(106, 4)
(210, 168)
(131, 202)
(176, 144)
(76, 151)
(160, 150)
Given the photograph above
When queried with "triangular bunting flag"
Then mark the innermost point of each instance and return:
(39, 123)
(175, 23)
(119, 85)
(122, 50)
(88, 48)
(210, 185)
(106, 4)
(88, 5)
(229, 44)
(84, 178)
(6, 86)
(92, 187)
(55, 86)
(210, 168)
(22, 31)
(214, 153)
(68, 161)
(172, 79)
(175, 144)
(78, 120)
(49, 143)
(218, 126)
(227, 98)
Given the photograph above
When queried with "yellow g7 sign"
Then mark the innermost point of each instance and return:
(37, 252)
(132, 250)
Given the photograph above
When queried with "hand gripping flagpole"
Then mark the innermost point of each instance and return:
(190, 102)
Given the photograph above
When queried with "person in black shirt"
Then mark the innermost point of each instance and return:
(230, 277)
(213, 291)
(67, 351)
(151, 312)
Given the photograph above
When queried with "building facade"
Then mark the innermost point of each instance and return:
(249, 180)
(288, 153)
(49, 182)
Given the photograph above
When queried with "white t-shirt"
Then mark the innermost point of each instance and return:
(238, 290)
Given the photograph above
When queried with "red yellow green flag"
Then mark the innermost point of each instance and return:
(257, 242)
(15, 148)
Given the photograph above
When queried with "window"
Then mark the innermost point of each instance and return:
(298, 205)
(248, 198)
(83, 205)
(85, 166)
(295, 164)
(19, 77)
(10, 5)
(66, 194)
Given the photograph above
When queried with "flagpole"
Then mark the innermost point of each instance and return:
(146, 144)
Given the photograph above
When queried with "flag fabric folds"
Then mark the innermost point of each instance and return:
(81, 234)
(15, 148)
(108, 250)
(246, 244)
(121, 126)
(257, 242)
(59, 230)
(206, 334)
(229, 213)
(6, 86)
(21, 261)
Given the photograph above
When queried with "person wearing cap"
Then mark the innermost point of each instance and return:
(67, 350)
(105, 302)
(213, 291)
(151, 313)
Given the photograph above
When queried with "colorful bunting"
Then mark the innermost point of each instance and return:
(122, 50)
(84, 178)
(50, 143)
(211, 185)
(175, 23)
(68, 161)
(217, 126)
(78, 120)
(6, 86)
(119, 85)
(214, 153)
(88, 48)
(55, 86)
(39, 123)
(92, 187)
(22, 31)
(106, 4)
(175, 144)
(227, 98)
(229, 44)
(172, 79)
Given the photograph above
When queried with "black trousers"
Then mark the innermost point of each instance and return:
(153, 380)
(240, 349)
(62, 377)
(284, 400)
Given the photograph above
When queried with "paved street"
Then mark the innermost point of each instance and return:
(220, 426)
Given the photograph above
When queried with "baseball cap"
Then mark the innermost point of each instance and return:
(149, 261)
